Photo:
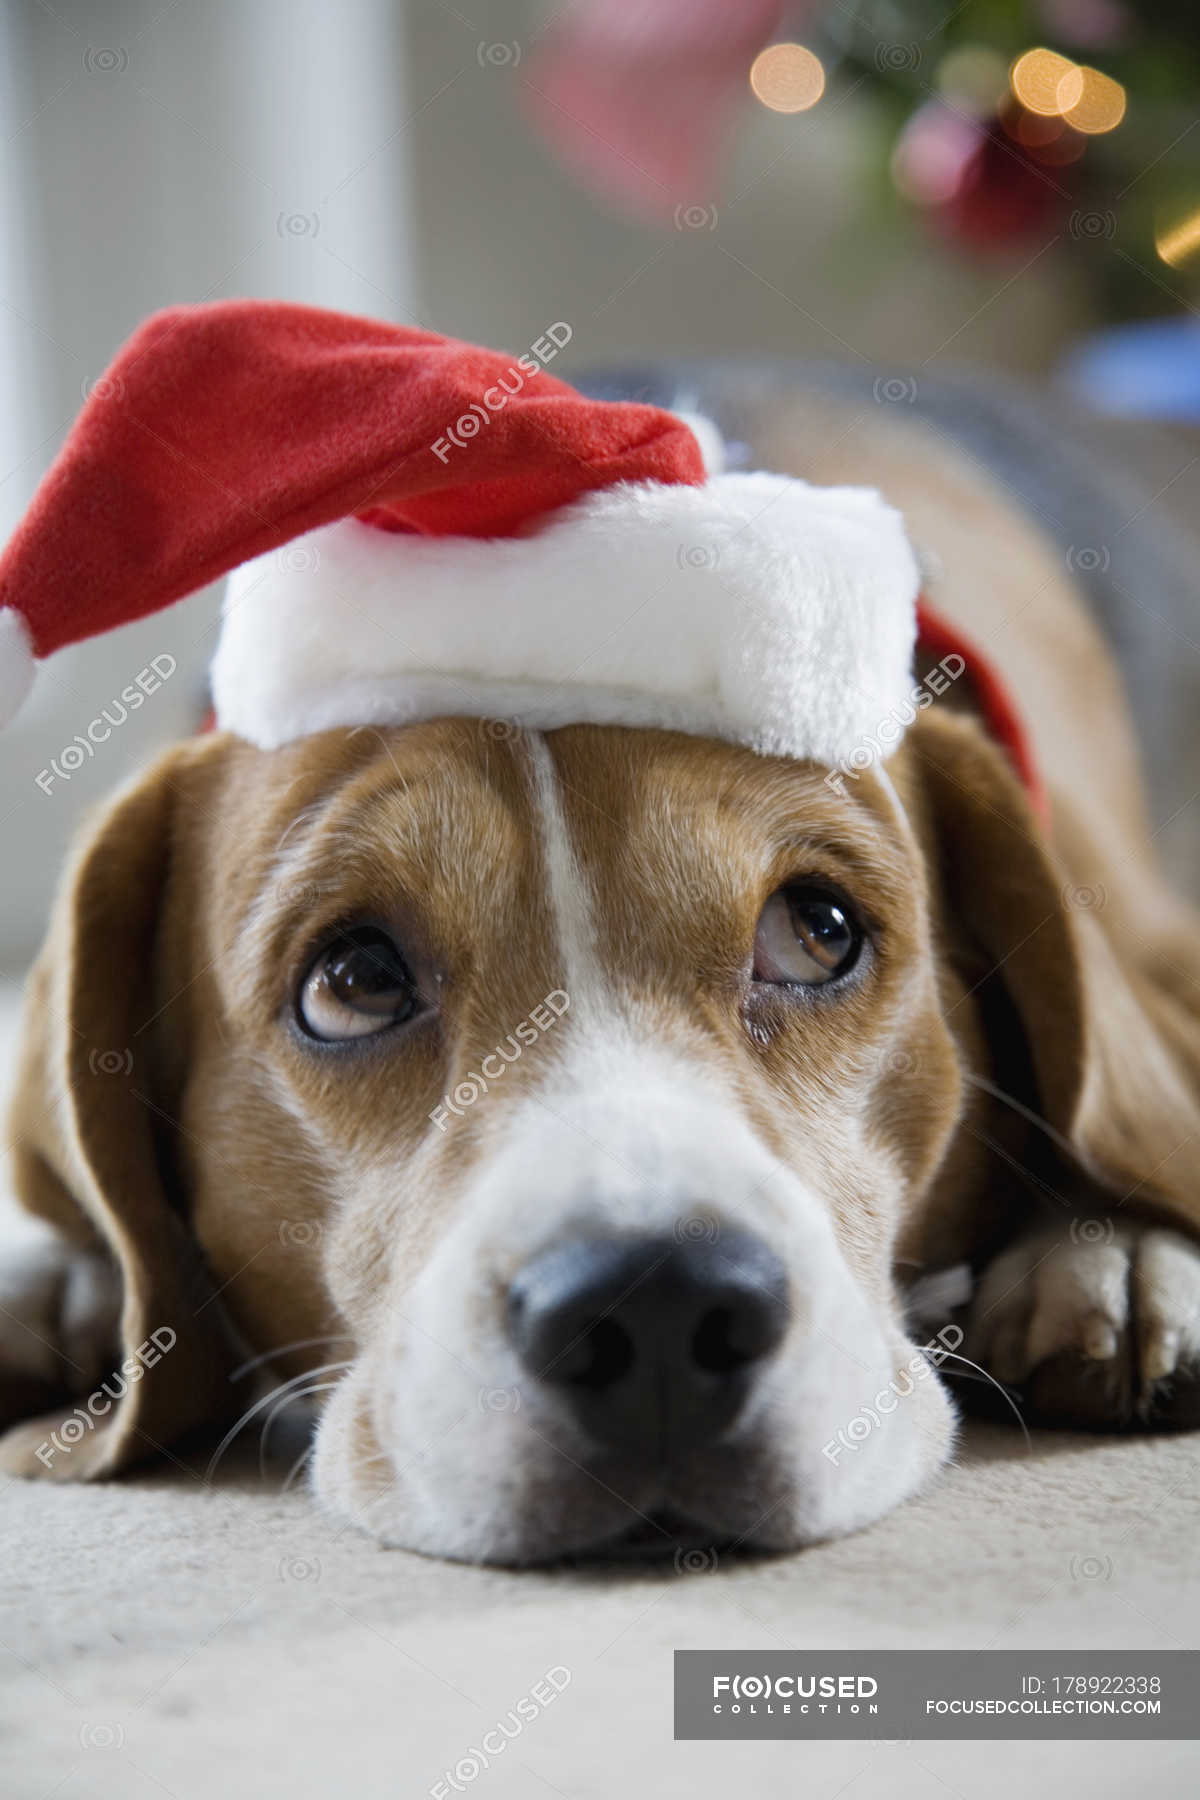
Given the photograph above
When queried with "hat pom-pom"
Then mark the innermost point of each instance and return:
(16, 663)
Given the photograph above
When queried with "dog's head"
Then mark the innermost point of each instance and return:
(572, 1100)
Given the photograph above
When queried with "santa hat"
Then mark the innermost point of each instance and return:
(420, 527)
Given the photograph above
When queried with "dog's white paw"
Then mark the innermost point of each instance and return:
(1098, 1325)
(60, 1311)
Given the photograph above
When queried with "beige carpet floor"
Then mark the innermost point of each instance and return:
(159, 1637)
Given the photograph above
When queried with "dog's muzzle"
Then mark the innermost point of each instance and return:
(652, 1344)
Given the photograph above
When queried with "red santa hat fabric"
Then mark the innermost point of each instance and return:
(219, 432)
(556, 560)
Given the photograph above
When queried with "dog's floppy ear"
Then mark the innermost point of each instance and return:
(1108, 1004)
(86, 1135)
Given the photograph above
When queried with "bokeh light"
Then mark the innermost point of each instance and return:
(1053, 87)
(1093, 102)
(788, 78)
(1036, 78)
(933, 153)
(1181, 242)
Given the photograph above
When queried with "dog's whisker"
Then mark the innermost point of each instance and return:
(1026, 1112)
(256, 1362)
(1036, 1184)
(1000, 1389)
(266, 1400)
(318, 1387)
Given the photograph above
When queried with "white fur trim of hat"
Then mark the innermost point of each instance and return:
(755, 608)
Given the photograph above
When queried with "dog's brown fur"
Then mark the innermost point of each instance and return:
(1055, 965)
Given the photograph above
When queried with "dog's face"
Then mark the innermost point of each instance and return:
(591, 1076)
(561, 1110)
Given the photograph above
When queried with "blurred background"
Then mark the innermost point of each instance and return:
(914, 185)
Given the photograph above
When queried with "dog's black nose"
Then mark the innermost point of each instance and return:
(653, 1342)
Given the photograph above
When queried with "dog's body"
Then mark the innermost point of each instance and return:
(599, 1053)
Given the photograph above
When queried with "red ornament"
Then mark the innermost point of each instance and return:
(988, 183)
(1006, 193)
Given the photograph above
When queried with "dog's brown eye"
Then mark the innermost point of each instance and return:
(806, 937)
(360, 984)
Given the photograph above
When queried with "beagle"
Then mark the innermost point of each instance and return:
(582, 1117)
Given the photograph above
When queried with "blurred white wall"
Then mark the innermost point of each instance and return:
(154, 155)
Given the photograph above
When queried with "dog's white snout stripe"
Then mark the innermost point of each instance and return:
(571, 901)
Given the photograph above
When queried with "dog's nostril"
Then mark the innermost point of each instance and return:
(728, 1338)
(602, 1354)
(652, 1343)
